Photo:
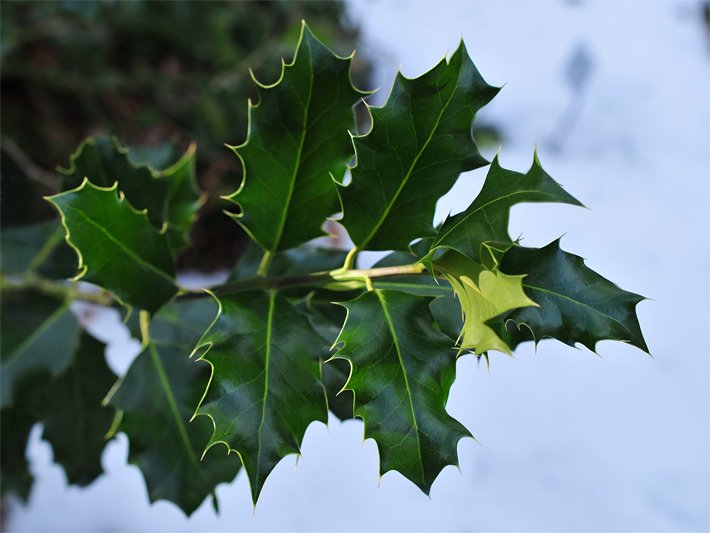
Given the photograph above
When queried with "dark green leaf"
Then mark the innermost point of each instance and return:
(447, 314)
(16, 476)
(335, 375)
(183, 198)
(39, 335)
(118, 248)
(104, 162)
(419, 143)
(158, 396)
(481, 231)
(38, 248)
(297, 144)
(575, 303)
(327, 319)
(266, 382)
(156, 156)
(170, 196)
(402, 370)
(69, 407)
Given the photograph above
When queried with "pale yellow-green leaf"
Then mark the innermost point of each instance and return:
(483, 294)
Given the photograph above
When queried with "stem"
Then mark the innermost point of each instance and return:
(350, 258)
(55, 288)
(264, 264)
(144, 321)
(334, 280)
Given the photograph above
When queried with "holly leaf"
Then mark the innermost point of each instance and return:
(158, 396)
(419, 143)
(335, 375)
(402, 370)
(170, 196)
(69, 407)
(327, 319)
(481, 231)
(448, 316)
(16, 476)
(483, 294)
(105, 162)
(39, 248)
(575, 303)
(297, 144)
(39, 335)
(118, 248)
(266, 382)
(183, 198)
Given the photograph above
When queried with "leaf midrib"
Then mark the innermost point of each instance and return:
(172, 403)
(582, 304)
(121, 246)
(297, 164)
(414, 163)
(269, 320)
(465, 216)
(390, 325)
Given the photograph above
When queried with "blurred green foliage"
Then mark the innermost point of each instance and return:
(152, 73)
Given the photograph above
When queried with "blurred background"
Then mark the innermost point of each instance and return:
(616, 97)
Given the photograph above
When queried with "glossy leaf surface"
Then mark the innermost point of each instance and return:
(170, 195)
(402, 370)
(183, 199)
(481, 231)
(297, 144)
(158, 396)
(575, 303)
(419, 143)
(104, 162)
(266, 382)
(118, 248)
(327, 318)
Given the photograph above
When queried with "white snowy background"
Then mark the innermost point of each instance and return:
(568, 441)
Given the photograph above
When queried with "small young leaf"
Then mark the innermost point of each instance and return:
(483, 294)
(419, 143)
(402, 370)
(266, 382)
(575, 303)
(39, 335)
(296, 145)
(481, 231)
(118, 248)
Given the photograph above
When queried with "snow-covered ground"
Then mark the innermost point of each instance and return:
(568, 441)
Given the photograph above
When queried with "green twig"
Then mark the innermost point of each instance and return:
(59, 289)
